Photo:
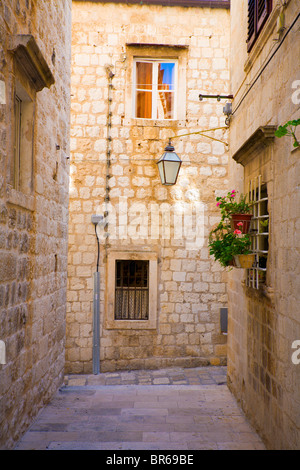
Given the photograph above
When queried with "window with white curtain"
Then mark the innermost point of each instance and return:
(132, 290)
(155, 89)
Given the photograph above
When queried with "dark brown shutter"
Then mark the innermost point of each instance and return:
(251, 23)
(262, 13)
(258, 12)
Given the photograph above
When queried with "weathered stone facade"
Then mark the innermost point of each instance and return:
(113, 170)
(264, 323)
(35, 40)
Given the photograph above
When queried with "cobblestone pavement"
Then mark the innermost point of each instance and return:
(172, 376)
(170, 409)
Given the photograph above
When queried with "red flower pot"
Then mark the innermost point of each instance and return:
(241, 222)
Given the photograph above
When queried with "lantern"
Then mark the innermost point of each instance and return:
(169, 165)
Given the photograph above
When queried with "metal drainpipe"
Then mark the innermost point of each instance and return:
(96, 305)
(108, 155)
(96, 324)
(95, 220)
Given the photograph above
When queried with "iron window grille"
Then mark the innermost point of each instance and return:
(132, 290)
(259, 232)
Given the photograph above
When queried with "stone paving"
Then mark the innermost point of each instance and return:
(171, 376)
(171, 409)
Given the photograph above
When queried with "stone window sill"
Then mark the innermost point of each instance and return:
(20, 199)
(155, 122)
(264, 292)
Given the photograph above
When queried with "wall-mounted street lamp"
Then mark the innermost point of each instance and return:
(227, 110)
(169, 164)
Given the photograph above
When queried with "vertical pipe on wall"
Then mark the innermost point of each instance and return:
(96, 219)
(108, 155)
(96, 324)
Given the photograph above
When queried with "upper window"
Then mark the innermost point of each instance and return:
(32, 74)
(155, 84)
(23, 141)
(258, 12)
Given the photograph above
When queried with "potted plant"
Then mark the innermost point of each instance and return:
(245, 260)
(238, 213)
(227, 246)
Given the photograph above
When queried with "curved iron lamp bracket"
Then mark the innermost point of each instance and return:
(203, 133)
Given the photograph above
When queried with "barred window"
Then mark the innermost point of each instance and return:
(256, 276)
(258, 12)
(132, 290)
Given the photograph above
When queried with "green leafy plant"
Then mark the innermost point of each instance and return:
(264, 225)
(289, 129)
(229, 205)
(225, 243)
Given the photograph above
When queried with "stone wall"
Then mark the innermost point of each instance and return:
(113, 159)
(264, 323)
(33, 222)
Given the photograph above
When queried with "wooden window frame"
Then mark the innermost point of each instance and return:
(258, 13)
(24, 118)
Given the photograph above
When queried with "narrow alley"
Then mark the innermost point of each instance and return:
(149, 226)
(170, 409)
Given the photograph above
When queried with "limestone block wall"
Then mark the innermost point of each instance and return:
(33, 223)
(141, 213)
(263, 370)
